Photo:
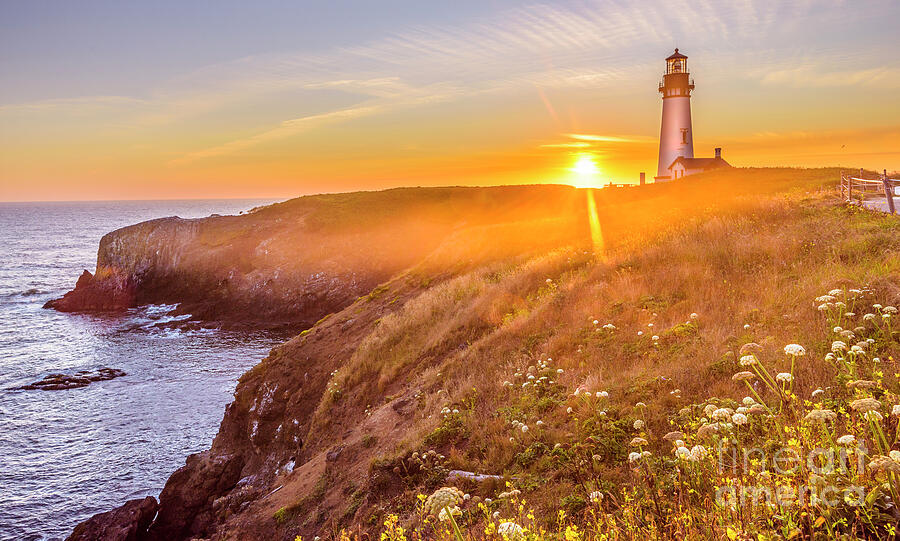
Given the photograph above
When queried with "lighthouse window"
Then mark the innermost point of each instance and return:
(683, 136)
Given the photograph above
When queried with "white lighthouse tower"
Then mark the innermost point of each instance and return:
(676, 137)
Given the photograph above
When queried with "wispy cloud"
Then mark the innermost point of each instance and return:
(609, 138)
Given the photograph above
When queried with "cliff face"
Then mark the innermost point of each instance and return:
(457, 285)
(294, 262)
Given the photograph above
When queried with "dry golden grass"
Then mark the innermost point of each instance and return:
(748, 259)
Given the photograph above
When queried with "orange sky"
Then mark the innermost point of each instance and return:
(502, 93)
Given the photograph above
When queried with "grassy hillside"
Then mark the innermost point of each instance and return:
(613, 393)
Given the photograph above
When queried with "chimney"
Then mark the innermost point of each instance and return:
(718, 152)
(643, 178)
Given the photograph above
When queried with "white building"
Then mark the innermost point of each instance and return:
(683, 167)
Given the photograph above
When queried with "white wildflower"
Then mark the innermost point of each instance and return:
(511, 531)
(784, 377)
(748, 360)
(847, 440)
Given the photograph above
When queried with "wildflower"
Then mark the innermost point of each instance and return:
(698, 452)
(695, 316)
(821, 415)
(707, 430)
(569, 409)
(640, 333)
(829, 357)
(873, 416)
(683, 453)
(883, 463)
(443, 516)
(603, 394)
(895, 411)
(539, 423)
(756, 409)
(596, 322)
(817, 393)
(836, 292)
(746, 326)
(596, 458)
(750, 348)
(722, 414)
(638, 442)
(742, 376)
(784, 377)
(596, 496)
(640, 405)
(748, 360)
(877, 306)
(559, 370)
(633, 457)
(650, 325)
(742, 409)
(638, 425)
(865, 404)
(609, 327)
(748, 401)
(739, 419)
(847, 440)
(511, 531)
(654, 338)
(508, 494)
(673, 436)
(885, 316)
(524, 428)
(442, 498)
(795, 350)
(709, 409)
(889, 310)
(822, 307)
(826, 298)
(837, 330)
(862, 384)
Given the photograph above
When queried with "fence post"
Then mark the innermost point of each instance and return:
(888, 192)
(850, 189)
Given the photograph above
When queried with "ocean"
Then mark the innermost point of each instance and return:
(68, 454)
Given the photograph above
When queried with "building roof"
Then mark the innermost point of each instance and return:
(700, 163)
(676, 55)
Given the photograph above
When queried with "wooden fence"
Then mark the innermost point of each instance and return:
(869, 192)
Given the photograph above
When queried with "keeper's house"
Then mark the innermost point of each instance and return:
(683, 167)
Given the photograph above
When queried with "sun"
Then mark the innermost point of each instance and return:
(585, 171)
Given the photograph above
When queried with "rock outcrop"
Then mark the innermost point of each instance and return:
(82, 378)
(91, 294)
(127, 523)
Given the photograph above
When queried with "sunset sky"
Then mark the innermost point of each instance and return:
(158, 100)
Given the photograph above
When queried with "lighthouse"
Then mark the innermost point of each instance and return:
(676, 137)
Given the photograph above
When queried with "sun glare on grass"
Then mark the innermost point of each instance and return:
(586, 174)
